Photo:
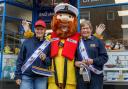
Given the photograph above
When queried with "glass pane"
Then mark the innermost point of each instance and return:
(19, 12)
(12, 41)
(0, 33)
(116, 21)
(49, 2)
(1, 8)
(24, 2)
(58, 1)
(97, 2)
(45, 3)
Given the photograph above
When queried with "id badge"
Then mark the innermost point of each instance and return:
(86, 75)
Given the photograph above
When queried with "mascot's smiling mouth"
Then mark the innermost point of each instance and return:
(64, 27)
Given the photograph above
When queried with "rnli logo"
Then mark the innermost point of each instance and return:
(66, 8)
(92, 45)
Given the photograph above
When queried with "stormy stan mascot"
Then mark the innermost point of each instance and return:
(63, 46)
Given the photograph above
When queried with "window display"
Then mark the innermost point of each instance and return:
(12, 42)
(116, 69)
(9, 62)
(13, 37)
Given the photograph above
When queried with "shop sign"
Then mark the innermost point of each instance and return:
(46, 15)
(90, 0)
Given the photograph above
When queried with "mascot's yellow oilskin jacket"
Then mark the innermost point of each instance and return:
(63, 47)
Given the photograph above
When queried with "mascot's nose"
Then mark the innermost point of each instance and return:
(64, 18)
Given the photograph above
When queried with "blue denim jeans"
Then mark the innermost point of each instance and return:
(33, 83)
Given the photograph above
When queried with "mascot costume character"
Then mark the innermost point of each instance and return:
(63, 46)
(64, 41)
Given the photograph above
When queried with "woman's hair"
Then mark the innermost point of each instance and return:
(84, 22)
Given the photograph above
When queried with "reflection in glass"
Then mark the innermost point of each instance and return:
(0, 33)
(12, 43)
(12, 37)
(49, 2)
(18, 12)
(24, 2)
(1, 8)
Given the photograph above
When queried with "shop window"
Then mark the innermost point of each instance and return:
(50, 2)
(59, 1)
(13, 37)
(110, 15)
(116, 31)
(115, 39)
(18, 12)
(12, 43)
(85, 15)
(45, 2)
(8, 66)
(24, 2)
(90, 0)
(1, 8)
(0, 33)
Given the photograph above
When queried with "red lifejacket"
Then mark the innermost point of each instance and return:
(70, 45)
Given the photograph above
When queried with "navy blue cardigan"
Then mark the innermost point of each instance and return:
(27, 49)
(96, 51)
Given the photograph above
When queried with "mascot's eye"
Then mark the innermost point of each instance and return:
(70, 16)
(60, 15)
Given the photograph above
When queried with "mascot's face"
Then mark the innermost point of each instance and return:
(64, 25)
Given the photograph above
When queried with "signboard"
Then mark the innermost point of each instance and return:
(90, 0)
(46, 14)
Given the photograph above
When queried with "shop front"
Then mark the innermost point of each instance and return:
(112, 13)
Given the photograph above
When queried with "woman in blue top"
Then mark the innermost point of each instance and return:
(28, 79)
(91, 57)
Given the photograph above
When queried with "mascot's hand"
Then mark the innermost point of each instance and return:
(28, 33)
(99, 30)
(48, 37)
